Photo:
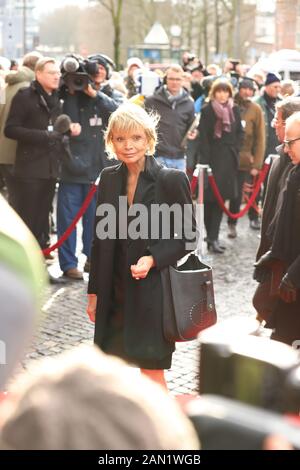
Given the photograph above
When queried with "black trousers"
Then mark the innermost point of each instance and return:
(235, 204)
(212, 220)
(33, 204)
(11, 183)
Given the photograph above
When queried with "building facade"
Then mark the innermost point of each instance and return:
(18, 28)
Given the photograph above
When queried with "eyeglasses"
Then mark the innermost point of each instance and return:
(53, 72)
(171, 79)
(289, 143)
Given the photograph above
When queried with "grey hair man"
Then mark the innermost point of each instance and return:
(277, 268)
(176, 110)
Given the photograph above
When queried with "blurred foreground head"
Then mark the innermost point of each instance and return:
(85, 399)
(22, 279)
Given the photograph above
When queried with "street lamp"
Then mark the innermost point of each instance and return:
(24, 25)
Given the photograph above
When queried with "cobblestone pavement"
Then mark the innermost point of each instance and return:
(65, 323)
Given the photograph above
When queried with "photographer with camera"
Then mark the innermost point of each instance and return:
(91, 108)
(102, 79)
(40, 149)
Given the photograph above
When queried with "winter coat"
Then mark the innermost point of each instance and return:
(15, 81)
(143, 307)
(253, 148)
(87, 149)
(276, 182)
(270, 135)
(175, 120)
(39, 151)
(222, 155)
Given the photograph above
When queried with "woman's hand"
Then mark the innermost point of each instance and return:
(143, 266)
(91, 307)
(75, 129)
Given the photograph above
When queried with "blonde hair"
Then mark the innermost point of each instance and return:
(174, 68)
(288, 88)
(129, 117)
(31, 59)
(41, 63)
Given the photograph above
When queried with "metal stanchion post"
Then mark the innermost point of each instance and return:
(201, 250)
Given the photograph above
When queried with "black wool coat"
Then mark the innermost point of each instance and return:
(38, 154)
(143, 333)
(276, 181)
(222, 155)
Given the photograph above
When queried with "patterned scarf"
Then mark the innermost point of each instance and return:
(225, 117)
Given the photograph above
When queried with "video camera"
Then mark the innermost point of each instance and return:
(249, 368)
(249, 388)
(78, 73)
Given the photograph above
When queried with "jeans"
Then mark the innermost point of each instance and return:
(178, 163)
(69, 201)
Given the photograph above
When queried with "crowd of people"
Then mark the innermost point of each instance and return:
(54, 134)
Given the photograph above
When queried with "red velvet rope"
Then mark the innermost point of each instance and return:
(194, 182)
(216, 192)
(78, 216)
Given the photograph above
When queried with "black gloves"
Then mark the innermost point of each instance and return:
(287, 290)
(54, 137)
(262, 267)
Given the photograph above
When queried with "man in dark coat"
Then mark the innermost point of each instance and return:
(91, 108)
(176, 110)
(39, 151)
(267, 102)
(279, 268)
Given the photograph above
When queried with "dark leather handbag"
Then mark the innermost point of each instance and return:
(188, 299)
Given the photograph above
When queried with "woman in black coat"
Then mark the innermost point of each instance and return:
(220, 139)
(125, 290)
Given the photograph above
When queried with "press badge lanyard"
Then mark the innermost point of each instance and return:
(95, 121)
(50, 125)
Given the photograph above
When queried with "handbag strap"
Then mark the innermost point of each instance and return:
(163, 170)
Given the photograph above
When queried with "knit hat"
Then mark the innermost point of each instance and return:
(247, 83)
(101, 60)
(134, 61)
(272, 78)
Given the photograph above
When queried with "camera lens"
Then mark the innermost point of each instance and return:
(78, 82)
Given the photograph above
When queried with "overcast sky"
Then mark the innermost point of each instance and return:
(43, 6)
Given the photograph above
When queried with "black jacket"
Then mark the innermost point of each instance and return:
(174, 122)
(39, 151)
(222, 155)
(276, 181)
(143, 299)
(87, 149)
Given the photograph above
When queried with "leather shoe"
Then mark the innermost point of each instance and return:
(215, 247)
(56, 280)
(49, 257)
(255, 224)
(74, 273)
(232, 233)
